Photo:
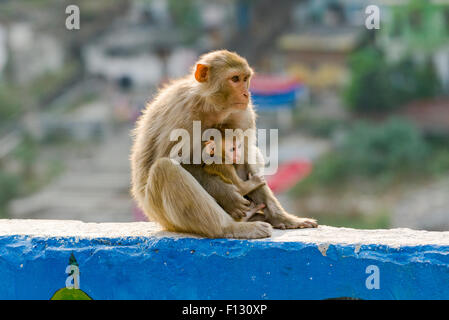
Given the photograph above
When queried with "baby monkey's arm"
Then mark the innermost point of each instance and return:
(228, 174)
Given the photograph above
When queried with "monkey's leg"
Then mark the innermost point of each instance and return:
(274, 213)
(251, 184)
(179, 203)
(227, 195)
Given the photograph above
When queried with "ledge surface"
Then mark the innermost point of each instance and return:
(140, 261)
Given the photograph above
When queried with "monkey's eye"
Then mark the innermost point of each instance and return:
(235, 79)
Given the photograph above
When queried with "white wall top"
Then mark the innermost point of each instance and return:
(323, 234)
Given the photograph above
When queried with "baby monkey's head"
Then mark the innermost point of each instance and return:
(226, 150)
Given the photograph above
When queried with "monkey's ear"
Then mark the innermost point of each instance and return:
(201, 73)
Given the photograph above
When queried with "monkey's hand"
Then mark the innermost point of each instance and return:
(254, 209)
(237, 206)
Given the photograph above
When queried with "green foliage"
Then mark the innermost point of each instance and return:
(11, 184)
(370, 151)
(70, 294)
(377, 86)
(410, 81)
(72, 260)
(10, 106)
(440, 162)
(379, 220)
(317, 126)
(13, 97)
(186, 18)
(395, 145)
(427, 82)
(185, 13)
(51, 82)
(26, 151)
(369, 88)
(9, 188)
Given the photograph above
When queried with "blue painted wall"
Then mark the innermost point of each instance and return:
(189, 268)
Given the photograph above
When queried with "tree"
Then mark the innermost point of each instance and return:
(368, 89)
(377, 86)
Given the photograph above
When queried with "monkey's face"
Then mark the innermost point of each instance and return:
(232, 88)
(233, 151)
(227, 76)
(238, 85)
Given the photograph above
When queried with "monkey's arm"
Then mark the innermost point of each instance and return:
(216, 171)
(226, 195)
(228, 174)
(274, 212)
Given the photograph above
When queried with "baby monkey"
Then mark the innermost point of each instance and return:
(229, 153)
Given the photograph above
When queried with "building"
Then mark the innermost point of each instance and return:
(324, 33)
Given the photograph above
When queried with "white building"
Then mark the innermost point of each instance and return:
(33, 53)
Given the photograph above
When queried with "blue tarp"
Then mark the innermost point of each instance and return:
(278, 100)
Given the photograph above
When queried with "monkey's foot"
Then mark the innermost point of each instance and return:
(254, 209)
(249, 230)
(288, 221)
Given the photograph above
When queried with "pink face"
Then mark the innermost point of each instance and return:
(235, 84)
(238, 83)
(232, 151)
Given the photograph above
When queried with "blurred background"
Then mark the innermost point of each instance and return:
(363, 115)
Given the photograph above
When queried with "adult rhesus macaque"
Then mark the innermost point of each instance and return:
(184, 198)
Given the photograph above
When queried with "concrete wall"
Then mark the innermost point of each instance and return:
(139, 261)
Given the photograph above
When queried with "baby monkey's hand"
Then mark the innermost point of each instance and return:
(258, 181)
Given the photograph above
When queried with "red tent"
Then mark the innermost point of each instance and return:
(288, 175)
(273, 84)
